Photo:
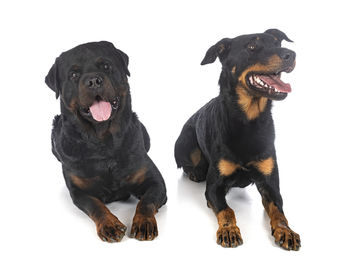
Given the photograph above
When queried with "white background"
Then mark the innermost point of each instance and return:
(166, 42)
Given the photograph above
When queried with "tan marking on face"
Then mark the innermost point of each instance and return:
(196, 157)
(251, 106)
(273, 64)
(84, 183)
(73, 105)
(227, 168)
(138, 177)
(264, 166)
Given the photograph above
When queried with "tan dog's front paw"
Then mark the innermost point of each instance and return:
(144, 227)
(229, 236)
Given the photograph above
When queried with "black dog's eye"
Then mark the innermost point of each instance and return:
(252, 46)
(74, 75)
(107, 67)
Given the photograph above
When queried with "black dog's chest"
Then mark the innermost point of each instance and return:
(250, 141)
(103, 179)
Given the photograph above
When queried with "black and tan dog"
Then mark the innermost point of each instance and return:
(230, 141)
(101, 143)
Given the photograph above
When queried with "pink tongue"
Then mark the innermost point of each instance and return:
(275, 82)
(101, 110)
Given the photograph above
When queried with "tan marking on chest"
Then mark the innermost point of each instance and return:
(264, 166)
(196, 157)
(138, 177)
(251, 106)
(84, 183)
(227, 168)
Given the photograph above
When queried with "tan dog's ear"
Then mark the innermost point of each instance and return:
(278, 34)
(52, 79)
(220, 49)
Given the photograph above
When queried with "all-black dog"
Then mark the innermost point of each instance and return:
(101, 143)
(230, 141)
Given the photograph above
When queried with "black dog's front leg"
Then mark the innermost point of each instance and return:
(108, 226)
(149, 186)
(228, 234)
(273, 204)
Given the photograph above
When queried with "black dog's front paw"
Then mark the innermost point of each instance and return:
(110, 229)
(144, 227)
(229, 236)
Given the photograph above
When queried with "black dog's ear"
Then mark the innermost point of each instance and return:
(278, 34)
(119, 57)
(220, 49)
(52, 79)
(125, 60)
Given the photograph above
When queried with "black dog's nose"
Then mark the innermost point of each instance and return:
(94, 81)
(287, 55)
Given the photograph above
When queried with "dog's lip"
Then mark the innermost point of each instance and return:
(268, 84)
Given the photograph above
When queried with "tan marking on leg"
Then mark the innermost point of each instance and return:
(228, 234)
(144, 224)
(196, 157)
(284, 236)
(226, 167)
(276, 217)
(108, 226)
(264, 166)
(138, 177)
(226, 217)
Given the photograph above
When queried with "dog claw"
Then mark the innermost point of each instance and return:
(110, 229)
(144, 228)
(229, 236)
(286, 238)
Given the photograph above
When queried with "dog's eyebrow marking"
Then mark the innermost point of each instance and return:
(233, 70)
(138, 177)
(74, 67)
(226, 168)
(264, 166)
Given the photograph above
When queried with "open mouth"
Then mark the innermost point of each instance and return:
(269, 85)
(101, 110)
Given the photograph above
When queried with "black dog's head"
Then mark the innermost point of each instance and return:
(91, 80)
(255, 62)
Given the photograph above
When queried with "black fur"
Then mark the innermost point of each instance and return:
(103, 161)
(224, 129)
